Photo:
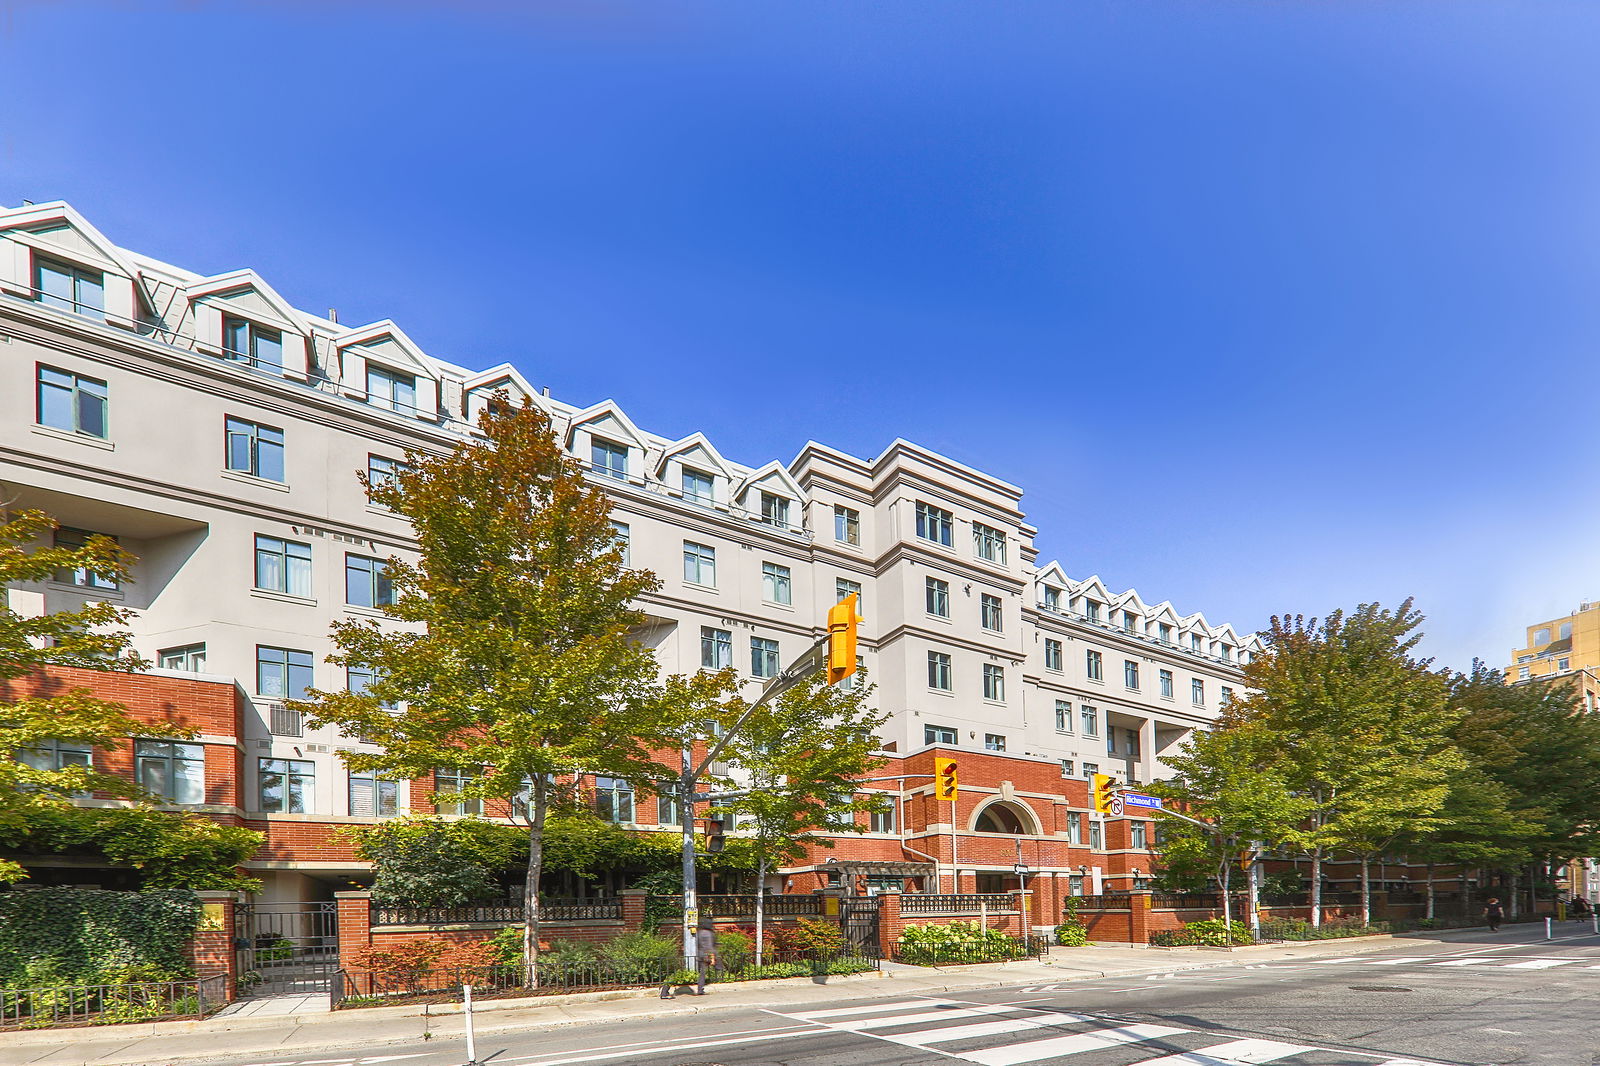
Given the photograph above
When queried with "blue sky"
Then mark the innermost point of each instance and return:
(1269, 307)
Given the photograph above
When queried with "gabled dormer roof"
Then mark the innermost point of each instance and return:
(1130, 601)
(1196, 623)
(60, 213)
(608, 410)
(1225, 632)
(239, 280)
(400, 349)
(1164, 612)
(1052, 574)
(773, 473)
(506, 374)
(695, 442)
(1092, 587)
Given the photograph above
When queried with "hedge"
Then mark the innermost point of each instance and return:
(88, 934)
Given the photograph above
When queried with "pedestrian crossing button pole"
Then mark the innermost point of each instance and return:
(466, 1003)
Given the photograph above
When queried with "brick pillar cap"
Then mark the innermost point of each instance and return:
(634, 892)
(212, 895)
(358, 894)
(892, 892)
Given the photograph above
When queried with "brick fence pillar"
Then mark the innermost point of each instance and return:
(355, 929)
(634, 903)
(888, 922)
(1139, 918)
(212, 949)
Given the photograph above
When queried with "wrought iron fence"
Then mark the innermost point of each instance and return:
(744, 906)
(970, 903)
(992, 949)
(110, 1004)
(1108, 901)
(554, 910)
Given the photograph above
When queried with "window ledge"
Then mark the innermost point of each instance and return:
(78, 438)
(250, 479)
(780, 606)
(283, 597)
(947, 693)
(1096, 681)
(90, 591)
(699, 587)
(364, 612)
(994, 703)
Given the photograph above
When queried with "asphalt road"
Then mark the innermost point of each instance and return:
(1502, 999)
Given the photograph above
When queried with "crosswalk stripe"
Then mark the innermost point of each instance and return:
(1461, 962)
(1539, 964)
(876, 1008)
(918, 1019)
(977, 1029)
(1397, 962)
(1233, 1053)
(1099, 1040)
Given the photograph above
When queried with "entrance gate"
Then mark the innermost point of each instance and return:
(858, 920)
(286, 947)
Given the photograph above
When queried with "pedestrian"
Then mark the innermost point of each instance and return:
(1580, 909)
(1494, 914)
(705, 950)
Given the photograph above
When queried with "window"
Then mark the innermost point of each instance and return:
(669, 811)
(1130, 673)
(1197, 692)
(1052, 654)
(989, 607)
(846, 525)
(1093, 663)
(849, 684)
(1067, 771)
(284, 722)
(366, 582)
(994, 683)
(763, 657)
(83, 577)
(58, 755)
(994, 742)
(623, 538)
(1561, 664)
(1166, 684)
(843, 589)
(283, 566)
(775, 510)
(1164, 631)
(286, 784)
(939, 734)
(613, 799)
(1090, 718)
(1129, 621)
(282, 673)
(608, 459)
(72, 402)
(776, 585)
(1524, 658)
(1227, 693)
(1074, 820)
(1052, 598)
(1111, 741)
(1091, 610)
(989, 543)
(1063, 716)
(175, 772)
(381, 470)
(447, 788)
(1522, 673)
(937, 593)
(253, 449)
(1097, 835)
(1137, 835)
(1195, 644)
(882, 820)
(1541, 636)
(254, 346)
(71, 288)
(699, 564)
(1564, 631)
(191, 658)
(1090, 769)
(359, 679)
(371, 796)
(697, 485)
(935, 524)
(1227, 652)
(1131, 736)
(939, 671)
(390, 390)
(716, 648)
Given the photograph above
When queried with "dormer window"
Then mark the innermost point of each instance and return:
(252, 345)
(1052, 598)
(390, 390)
(1091, 610)
(71, 288)
(774, 510)
(1227, 654)
(1165, 632)
(697, 485)
(1129, 621)
(1196, 644)
(608, 459)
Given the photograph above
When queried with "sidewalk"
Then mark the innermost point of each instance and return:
(288, 1035)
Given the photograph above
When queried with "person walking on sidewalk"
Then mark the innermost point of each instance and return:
(1494, 914)
(705, 950)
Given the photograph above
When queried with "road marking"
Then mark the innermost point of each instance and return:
(1539, 964)
(899, 1004)
(1100, 1039)
(612, 1047)
(670, 1048)
(920, 1018)
(1233, 1053)
(1397, 962)
(968, 1032)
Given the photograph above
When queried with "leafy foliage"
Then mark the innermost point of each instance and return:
(85, 935)
(170, 850)
(1212, 932)
(963, 942)
(811, 935)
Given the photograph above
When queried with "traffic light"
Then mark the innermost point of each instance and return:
(842, 621)
(714, 841)
(1105, 789)
(944, 771)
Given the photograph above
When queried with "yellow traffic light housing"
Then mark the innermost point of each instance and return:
(842, 622)
(944, 773)
(1105, 789)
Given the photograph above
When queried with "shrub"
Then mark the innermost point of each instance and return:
(810, 935)
(925, 945)
(1213, 932)
(80, 934)
(641, 953)
(681, 977)
(1331, 929)
(734, 949)
(1073, 934)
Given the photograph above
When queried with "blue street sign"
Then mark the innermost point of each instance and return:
(1139, 799)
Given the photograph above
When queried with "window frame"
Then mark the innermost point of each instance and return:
(1054, 653)
(777, 583)
(383, 792)
(256, 337)
(389, 398)
(283, 556)
(77, 276)
(936, 595)
(944, 735)
(1088, 720)
(989, 543)
(619, 808)
(464, 806)
(81, 577)
(258, 448)
(713, 643)
(1093, 665)
(377, 580)
(765, 661)
(291, 664)
(81, 393)
(1064, 712)
(940, 667)
(1130, 674)
(994, 682)
(306, 779)
(846, 525)
(992, 612)
(177, 756)
(609, 449)
(187, 652)
(935, 524)
(704, 558)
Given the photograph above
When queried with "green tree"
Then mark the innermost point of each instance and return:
(521, 664)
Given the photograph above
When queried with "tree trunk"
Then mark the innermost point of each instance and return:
(1429, 912)
(1253, 893)
(1225, 879)
(1366, 890)
(1316, 886)
(538, 803)
(1513, 895)
(761, 907)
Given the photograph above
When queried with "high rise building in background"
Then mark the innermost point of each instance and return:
(217, 433)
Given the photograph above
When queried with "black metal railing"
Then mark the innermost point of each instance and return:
(111, 1004)
(744, 906)
(1106, 901)
(970, 903)
(555, 910)
(991, 949)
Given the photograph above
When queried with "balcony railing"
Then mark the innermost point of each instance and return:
(964, 903)
(554, 910)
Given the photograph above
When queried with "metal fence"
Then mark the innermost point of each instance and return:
(1007, 949)
(110, 1004)
(967, 903)
(744, 906)
(1104, 902)
(553, 910)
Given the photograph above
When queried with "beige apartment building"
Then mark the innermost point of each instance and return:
(217, 432)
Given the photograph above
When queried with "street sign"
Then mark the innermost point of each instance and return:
(1114, 806)
(1139, 799)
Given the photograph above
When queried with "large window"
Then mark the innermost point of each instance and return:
(608, 458)
(366, 582)
(935, 524)
(697, 485)
(1097, 835)
(936, 592)
(613, 799)
(1093, 664)
(1166, 684)
(990, 609)
(1052, 654)
(70, 288)
(939, 671)
(1197, 692)
(381, 470)
(1138, 835)
(253, 449)
(699, 564)
(359, 679)
(1074, 820)
(776, 583)
(283, 566)
(1090, 719)
(83, 577)
(939, 734)
(252, 345)
(763, 657)
(72, 402)
(716, 648)
(989, 543)
(190, 658)
(669, 809)
(282, 673)
(373, 797)
(994, 683)
(994, 742)
(1063, 716)
(50, 755)
(846, 525)
(775, 510)
(1130, 673)
(175, 772)
(287, 785)
(447, 788)
(390, 390)
(882, 820)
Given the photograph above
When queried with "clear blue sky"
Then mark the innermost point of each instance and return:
(1269, 306)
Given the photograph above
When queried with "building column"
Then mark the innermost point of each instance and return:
(889, 922)
(634, 904)
(212, 949)
(355, 930)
